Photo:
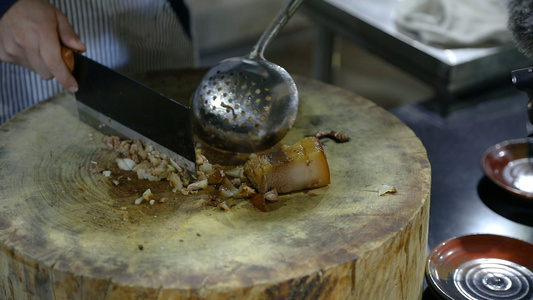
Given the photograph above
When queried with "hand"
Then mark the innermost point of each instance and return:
(31, 34)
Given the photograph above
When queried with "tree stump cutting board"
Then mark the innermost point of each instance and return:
(69, 233)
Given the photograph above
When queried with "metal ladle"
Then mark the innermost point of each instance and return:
(247, 104)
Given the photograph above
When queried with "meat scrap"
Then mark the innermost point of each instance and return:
(282, 170)
(258, 201)
(386, 189)
(215, 202)
(334, 135)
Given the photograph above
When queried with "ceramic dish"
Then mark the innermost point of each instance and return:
(481, 266)
(510, 165)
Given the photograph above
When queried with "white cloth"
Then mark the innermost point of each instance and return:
(127, 35)
(454, 23)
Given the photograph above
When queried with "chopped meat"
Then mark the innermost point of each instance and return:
(272, 195)
(258, 201)
(214, 201)
(334, 135)
(386, 189)
(290, 168)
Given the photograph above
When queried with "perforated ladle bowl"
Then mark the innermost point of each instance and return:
(247, 104)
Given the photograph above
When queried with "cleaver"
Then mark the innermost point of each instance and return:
(117, 105)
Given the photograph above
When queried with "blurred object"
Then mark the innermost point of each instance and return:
(454, 23)
(523, 80)
(452, 73)
(221, 24)
(521, 24)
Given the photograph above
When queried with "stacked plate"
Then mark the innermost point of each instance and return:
(481, 266)
(510, 165)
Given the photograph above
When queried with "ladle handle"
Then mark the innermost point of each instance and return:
(291, 6)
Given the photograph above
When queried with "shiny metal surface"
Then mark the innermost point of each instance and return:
(247, 104)
(370, 24)
(380, 15)
(110, 100)
(489, 278)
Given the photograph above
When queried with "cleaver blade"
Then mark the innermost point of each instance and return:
(117, 105)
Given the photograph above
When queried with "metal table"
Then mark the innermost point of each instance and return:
(463, 200)
(451, 72)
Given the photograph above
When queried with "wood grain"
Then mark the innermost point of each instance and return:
(67, 233)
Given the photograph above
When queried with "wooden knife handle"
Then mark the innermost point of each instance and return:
(68, 57)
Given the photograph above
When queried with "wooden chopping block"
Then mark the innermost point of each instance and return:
(68, 233)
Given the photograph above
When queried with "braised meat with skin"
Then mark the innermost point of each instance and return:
(289, 168)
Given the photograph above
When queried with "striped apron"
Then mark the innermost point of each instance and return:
(129, 36)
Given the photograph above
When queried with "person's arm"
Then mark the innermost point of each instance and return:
(31, 34)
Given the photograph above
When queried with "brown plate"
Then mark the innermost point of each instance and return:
(509, 165)
(481, 266)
